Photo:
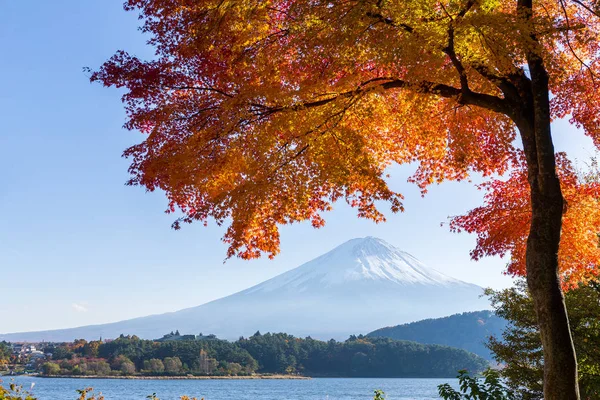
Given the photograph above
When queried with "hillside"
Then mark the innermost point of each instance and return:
(466, 331)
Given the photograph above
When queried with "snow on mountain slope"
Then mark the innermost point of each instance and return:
(363, 259)
(361, 285)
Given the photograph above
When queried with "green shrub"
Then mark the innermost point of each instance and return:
(471, 388)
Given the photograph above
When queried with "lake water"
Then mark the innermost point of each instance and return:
(259, 389)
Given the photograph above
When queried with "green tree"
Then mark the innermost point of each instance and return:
(234, 368)
(5, 351)
(100, 368)
(5, 354)
(62, 352)
(471, 388)
(154, 365)
(50, 368)
(77, 370)
(173, 365)
(119, 360)
(90, 349)
(127, 368)
(81, 368)
(520, 347)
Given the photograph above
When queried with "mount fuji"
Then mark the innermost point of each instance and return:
(361, 285)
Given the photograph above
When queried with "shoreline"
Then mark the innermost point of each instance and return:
(141, 377)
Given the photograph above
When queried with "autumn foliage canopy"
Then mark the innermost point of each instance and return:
(262, 113)
(502, 223)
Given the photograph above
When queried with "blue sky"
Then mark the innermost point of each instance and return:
(78, 247)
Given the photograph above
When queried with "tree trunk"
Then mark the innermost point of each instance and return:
(533, 120)
(547, 204)
(560, 365)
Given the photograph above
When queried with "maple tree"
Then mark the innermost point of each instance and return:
(509, 200)
(261, 113)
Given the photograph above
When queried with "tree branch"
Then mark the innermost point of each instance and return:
(588, 8)
(200, 89)
(450, 51)
(573, 52)
(465, 10)
(388, 21)
(468, 97)
(504, 83)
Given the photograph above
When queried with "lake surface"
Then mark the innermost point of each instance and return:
(259, 389)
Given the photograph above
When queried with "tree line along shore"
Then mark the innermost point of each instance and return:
(266, 356)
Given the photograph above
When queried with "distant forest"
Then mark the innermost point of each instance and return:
(469, 331)
(279, 353)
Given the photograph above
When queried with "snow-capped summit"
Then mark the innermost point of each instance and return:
(362, 285)
(357, 260)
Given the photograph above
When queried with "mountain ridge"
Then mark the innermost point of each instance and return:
(468, 331)
(360, 285)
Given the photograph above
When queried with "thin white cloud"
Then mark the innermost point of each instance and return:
(80, 307)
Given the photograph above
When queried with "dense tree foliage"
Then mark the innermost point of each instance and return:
(357, 356)
(469, 331)
(520, 350)
(270, 353)
(579, 255)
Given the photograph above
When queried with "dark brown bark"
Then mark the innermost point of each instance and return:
(560, 365)
(532, 115)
